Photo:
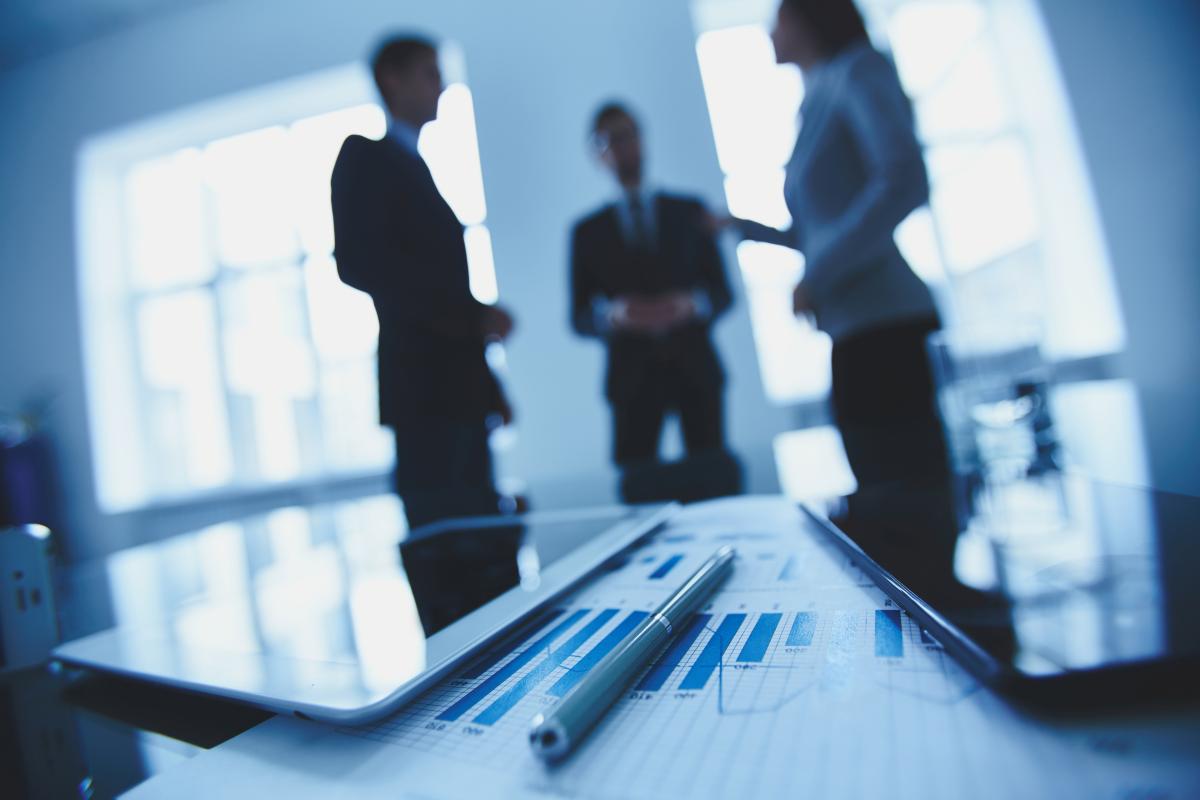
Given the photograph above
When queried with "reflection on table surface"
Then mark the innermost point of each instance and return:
(1055, 573)
(341, 589)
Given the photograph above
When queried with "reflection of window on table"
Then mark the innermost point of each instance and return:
(251, 363)
(1008, 234)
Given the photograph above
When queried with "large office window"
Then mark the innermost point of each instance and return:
(1009, 233)
(227, 354)
(1010, 240)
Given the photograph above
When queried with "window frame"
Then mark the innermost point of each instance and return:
(118, 395)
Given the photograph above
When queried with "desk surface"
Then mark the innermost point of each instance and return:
(800, 678)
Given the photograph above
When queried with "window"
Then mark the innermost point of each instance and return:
(223, 350)
(1009, 233)
(754, 133)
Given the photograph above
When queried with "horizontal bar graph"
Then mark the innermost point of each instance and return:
(803, 628)
(760, 637)
(575, 674)
(888, 641)
(665, 568)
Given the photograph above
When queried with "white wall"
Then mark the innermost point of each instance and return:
(1132, 73)
(537, 69)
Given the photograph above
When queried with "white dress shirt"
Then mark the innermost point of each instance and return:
(404, 134)
(856, 172)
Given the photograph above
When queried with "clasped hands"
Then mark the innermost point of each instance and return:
(652, 314)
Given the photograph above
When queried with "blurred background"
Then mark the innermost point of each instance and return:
(176, 349)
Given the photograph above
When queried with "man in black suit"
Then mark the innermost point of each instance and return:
(397, 240)
(647, 278)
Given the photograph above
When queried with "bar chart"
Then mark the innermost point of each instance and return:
(797, 679)
(549, 657)
(789, 631)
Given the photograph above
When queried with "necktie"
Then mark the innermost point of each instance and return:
(637, 213)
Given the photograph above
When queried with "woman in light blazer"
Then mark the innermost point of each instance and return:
(855, 174)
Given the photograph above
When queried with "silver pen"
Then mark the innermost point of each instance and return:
(562, 727)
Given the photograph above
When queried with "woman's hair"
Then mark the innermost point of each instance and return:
(836, 24)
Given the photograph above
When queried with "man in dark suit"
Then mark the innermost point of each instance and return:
(647, 278)
(398, 240)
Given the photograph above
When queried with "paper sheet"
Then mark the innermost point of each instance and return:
(800, 679)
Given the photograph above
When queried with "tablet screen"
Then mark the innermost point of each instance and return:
(456, 567)
(1069, 574)
(330, 608)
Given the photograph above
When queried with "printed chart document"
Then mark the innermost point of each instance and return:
(800, 678)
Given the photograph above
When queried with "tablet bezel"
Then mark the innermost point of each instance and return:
(150, 653)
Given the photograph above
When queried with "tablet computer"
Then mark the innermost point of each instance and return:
(1084, 596)
(349, 630)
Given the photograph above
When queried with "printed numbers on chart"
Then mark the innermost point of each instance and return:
(435, 726)
(473, 730)
(745, 666)
(641, 695)
(686, 695)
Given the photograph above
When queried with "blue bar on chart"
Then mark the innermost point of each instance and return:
(666, 567)
(888, 641)
(666, 664)
(714, 650)
(498, 651)
(503, 704)
(736, 537)
(582, 667)
(489, 685)
(760, 637)
(789, 570)
(803, 628)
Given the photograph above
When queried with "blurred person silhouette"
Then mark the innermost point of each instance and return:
(856, 172)
(647, 278)
(398, 240)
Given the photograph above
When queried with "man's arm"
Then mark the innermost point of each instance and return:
(714, 281)
(373, 255)
(589, 308)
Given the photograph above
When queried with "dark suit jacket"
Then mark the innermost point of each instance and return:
(686, 257)
(397, 240)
